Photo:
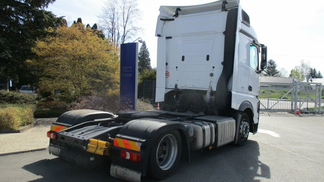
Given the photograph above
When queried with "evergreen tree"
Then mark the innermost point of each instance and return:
(22, 23)
(315, 74)
(312, 72)
(144, 61)
(271, 69)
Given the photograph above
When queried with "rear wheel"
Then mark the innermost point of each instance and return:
(244, 129)
(165, 155)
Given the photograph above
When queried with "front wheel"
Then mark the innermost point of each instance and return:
(165, 155)
(244, 129)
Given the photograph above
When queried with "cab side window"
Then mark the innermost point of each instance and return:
(254, 57)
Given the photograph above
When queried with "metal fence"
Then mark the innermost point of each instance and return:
(146, 91)
(275, 96)
(307, 97)
(289, 97)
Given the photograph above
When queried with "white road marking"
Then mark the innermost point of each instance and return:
(271, 133)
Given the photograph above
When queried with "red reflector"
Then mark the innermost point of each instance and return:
(123, 154)
(130, 156)
(51, 135)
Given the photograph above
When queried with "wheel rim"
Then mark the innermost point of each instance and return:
(166, 152)
(244, 129)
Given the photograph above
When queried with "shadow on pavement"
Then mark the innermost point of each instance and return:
(54, 170)
(224, 164)
(227, 163)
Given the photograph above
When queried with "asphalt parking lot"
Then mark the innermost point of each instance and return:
(286, 148)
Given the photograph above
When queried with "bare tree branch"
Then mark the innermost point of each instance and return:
(119, 19)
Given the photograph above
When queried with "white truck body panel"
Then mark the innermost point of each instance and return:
(185, 53)
(191, 52)
(185, 44)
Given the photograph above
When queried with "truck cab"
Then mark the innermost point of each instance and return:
(209, 60)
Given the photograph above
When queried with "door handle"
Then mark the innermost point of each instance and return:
(250, 88)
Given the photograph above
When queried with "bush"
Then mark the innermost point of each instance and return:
(16, 98)
(144, 105)
(52, 104)
(47, 113)
(26, 115)
(12, 117)
(50, 108)
(106, 103)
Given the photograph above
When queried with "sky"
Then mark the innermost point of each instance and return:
(293, 30)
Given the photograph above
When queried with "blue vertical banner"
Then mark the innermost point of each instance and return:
(128, 76)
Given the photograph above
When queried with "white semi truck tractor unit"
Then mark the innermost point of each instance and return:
(208, 65)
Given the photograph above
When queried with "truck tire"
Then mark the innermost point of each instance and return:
(165, 155)
(244, 129)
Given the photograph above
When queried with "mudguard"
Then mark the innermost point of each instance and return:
(146, 131)
(74, 117)
(245, 105)
(237, 118)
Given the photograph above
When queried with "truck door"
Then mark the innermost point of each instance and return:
(245, 85)
(253, 87)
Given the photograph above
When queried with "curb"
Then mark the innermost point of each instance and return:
(21, 152)
(21, 129)
(37, 121)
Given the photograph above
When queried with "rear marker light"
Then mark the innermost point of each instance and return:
(51, 135)
(130, 156)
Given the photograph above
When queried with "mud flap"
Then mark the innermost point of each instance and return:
(124, 173)
(54, 150)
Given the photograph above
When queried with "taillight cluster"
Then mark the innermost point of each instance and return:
(51, 135)
(136, 157)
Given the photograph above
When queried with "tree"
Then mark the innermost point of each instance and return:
(22, 22)
(144, 61)
(314, 74)
(295, 73)
(94, 28)
(147, 75)
(303, 70)
(271, 69)
(283, 72)
(119, 19)
(76, 59)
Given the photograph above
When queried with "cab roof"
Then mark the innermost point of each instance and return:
(187, 10)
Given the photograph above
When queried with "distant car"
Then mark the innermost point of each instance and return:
(2, 87)
(26, 89)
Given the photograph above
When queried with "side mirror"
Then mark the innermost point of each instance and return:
(263, 57)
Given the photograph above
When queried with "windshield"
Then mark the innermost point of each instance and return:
(26, 88)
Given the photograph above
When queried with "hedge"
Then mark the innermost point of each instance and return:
(12, 117)
(16, 98)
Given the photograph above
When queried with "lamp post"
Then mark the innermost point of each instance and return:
(139, 39)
